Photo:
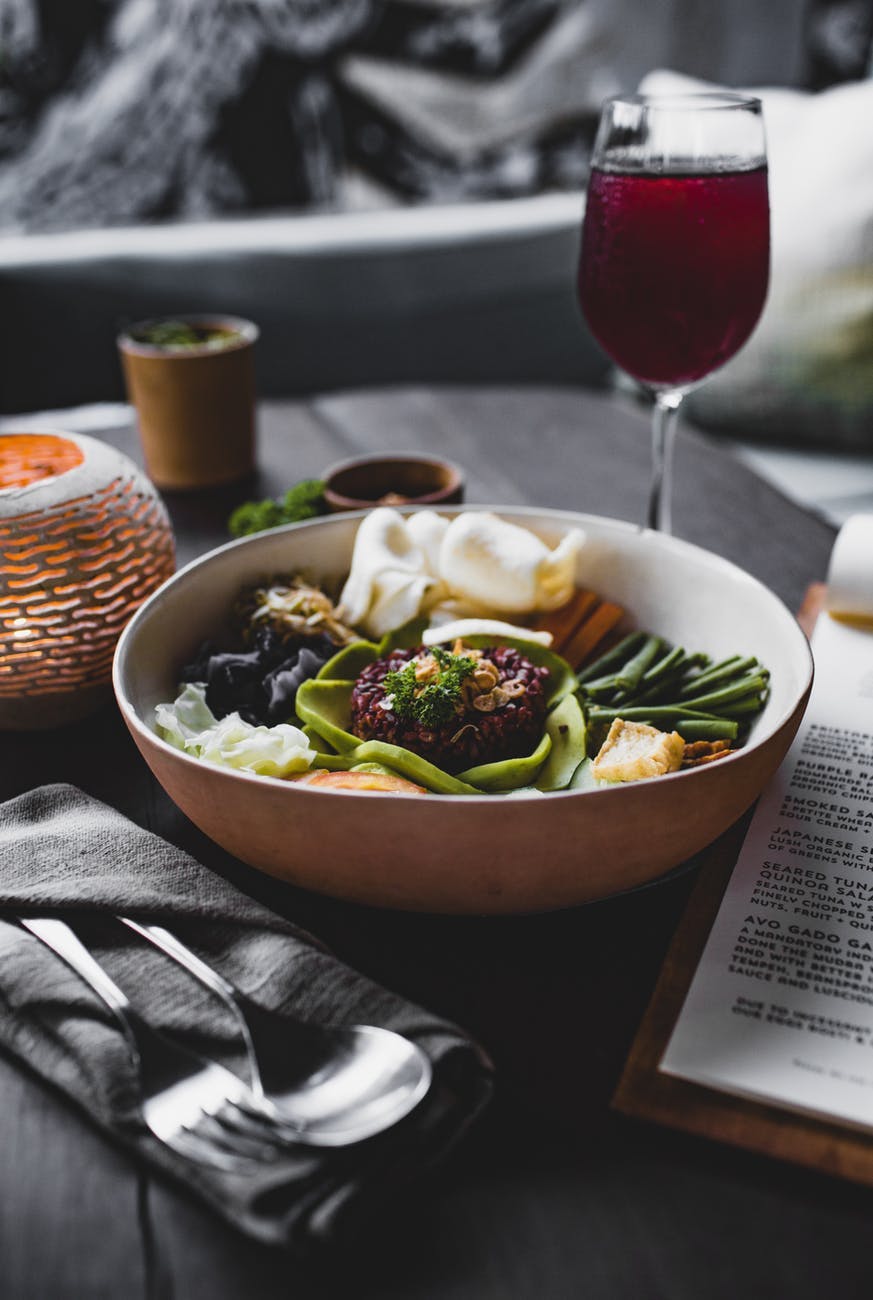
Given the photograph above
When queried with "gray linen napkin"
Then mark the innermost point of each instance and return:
(64, 853)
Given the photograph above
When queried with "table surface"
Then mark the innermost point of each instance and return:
(551, 1195)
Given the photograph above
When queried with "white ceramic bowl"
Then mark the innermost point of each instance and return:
(474, 854)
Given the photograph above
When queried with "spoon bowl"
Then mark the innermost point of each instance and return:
(336, 1086)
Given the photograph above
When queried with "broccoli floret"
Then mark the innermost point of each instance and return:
(305, 500)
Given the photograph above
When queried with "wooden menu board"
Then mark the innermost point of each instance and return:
(646, 1093)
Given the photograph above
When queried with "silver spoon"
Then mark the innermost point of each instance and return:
(331, 1086)
(194, 1106)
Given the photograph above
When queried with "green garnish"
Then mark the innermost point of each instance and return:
(180, 334)
(435, 702)
(304, 500)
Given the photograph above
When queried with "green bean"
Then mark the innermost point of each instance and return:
(750, 704)
(629, 676)
(725, 671)
(601, 686)
(656, 713)
(613, 658)
(727, 694)
(666, 687)
(708, 729)
(644, 679)
(690, 725)
(672, 660)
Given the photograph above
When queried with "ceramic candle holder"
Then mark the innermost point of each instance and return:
(84, 539)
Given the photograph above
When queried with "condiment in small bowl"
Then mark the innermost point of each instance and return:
(392, 480)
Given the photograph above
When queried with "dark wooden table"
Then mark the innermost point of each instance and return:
(552, 1196)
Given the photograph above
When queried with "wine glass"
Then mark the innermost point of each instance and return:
(675, 247)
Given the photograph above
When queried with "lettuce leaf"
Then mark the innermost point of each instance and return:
(190, 725)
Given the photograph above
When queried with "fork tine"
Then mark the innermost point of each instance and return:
(273, 1122)
(238, 1117)
(205, 1151)
(232, 1140)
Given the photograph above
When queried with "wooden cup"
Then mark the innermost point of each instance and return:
(195, 406)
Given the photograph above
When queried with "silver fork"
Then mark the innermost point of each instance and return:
(331, 1085)
(196, 1107)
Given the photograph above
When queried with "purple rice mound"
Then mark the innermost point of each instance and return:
(470, 737)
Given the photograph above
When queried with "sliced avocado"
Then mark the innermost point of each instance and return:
(406, 637)
(330, 762)
(412, 766)
(509, 773)
(324, 706)
(583, 779)
(566, 727)
(348, 662)
(378, 769)
(317, 742)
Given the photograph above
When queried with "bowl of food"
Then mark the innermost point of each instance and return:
(464, 711)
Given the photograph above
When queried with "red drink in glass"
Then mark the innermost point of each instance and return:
(674, 269)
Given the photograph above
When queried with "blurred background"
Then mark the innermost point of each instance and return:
(121, 111)
(393, 189)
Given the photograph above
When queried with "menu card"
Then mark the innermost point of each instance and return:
(781, 1004)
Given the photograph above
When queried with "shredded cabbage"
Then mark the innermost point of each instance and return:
(190, 725)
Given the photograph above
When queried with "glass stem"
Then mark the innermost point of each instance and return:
(664, 415)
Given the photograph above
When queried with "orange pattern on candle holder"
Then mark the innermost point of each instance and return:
(27, 458)
(73, 573)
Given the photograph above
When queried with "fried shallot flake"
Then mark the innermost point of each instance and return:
(698, 752)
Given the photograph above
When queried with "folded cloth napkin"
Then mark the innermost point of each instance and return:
(64, 853)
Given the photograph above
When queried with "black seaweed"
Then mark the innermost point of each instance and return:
(261, 683)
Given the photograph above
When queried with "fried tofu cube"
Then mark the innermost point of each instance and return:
(632, 752)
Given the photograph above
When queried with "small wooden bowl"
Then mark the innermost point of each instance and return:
(397, 480)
